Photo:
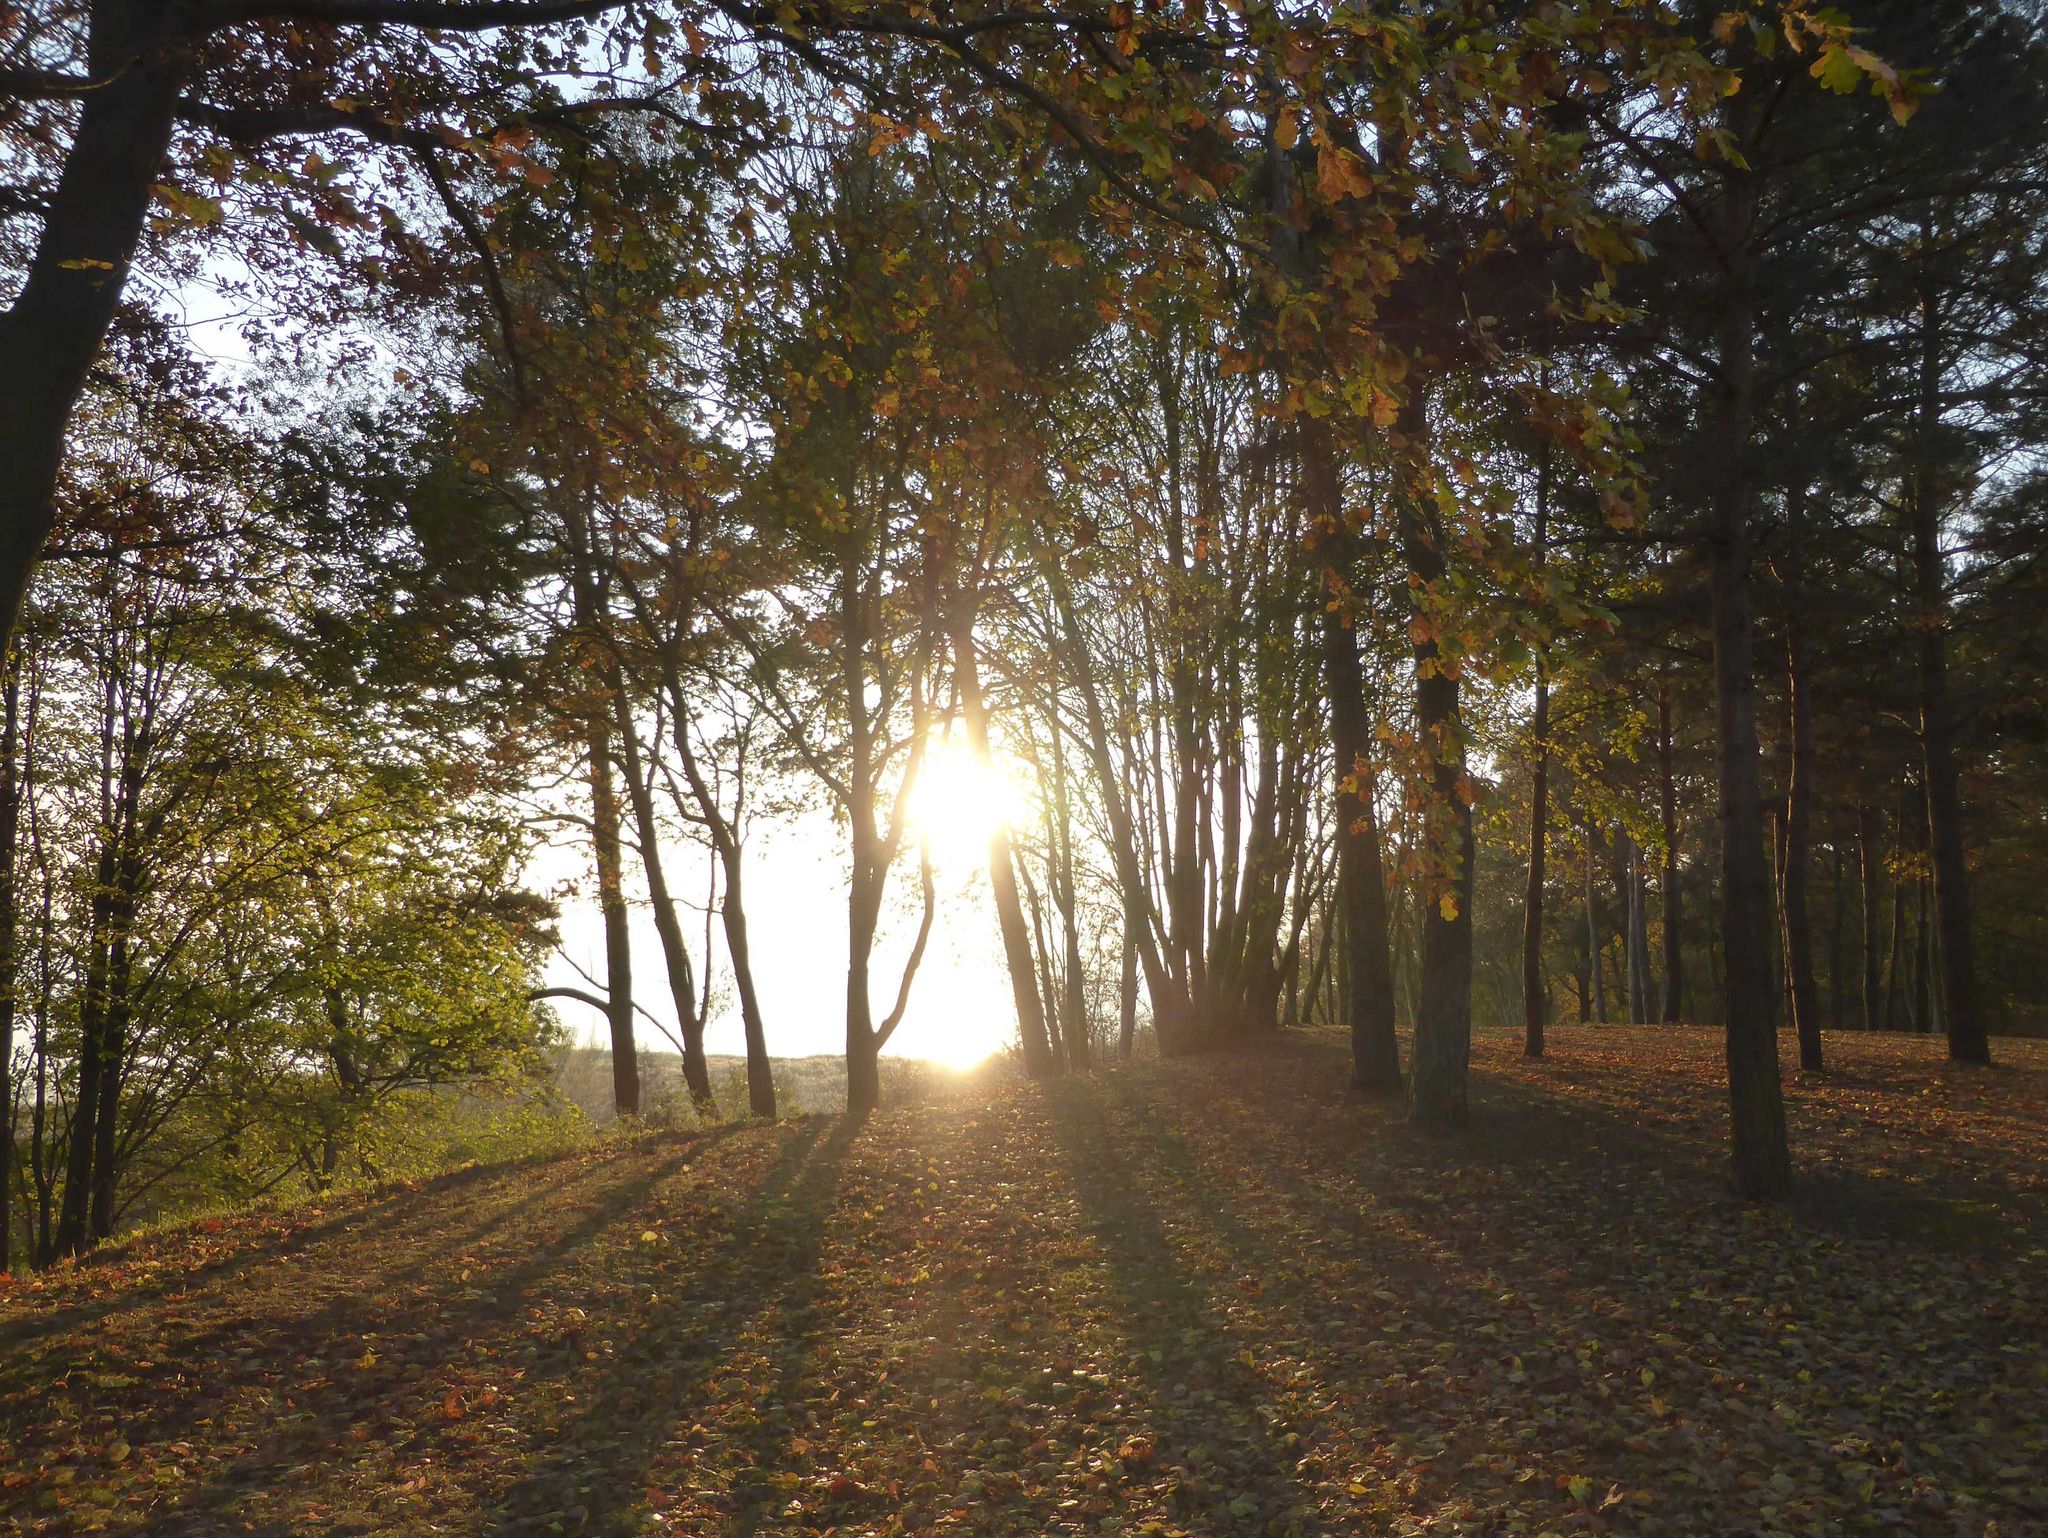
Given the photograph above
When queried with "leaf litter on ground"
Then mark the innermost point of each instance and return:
(1188, 1299)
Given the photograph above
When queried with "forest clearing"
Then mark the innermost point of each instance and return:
(1203, 1297)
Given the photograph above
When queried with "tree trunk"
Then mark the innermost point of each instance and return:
(1867, 868)
(1635, 900)
(1039, 1062)
(1127, 1000)
(1593, 938)
(1838, 992)
(106, 1162)
(52, 332)
(1535, 998)
(1761, 1157)
(1673, 916)
(1799, 985)
(10, 829)
(1132, 888)
(1923, 961)
(863, 1051)
(1443, 1012)
(75, 1213)
(1366, 963)
(1074, 999)
(1968, 1037)
(675, 953)
(1895, 958)
(732, 909)
(606, 848)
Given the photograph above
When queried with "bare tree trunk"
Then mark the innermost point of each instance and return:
(732, 909)
(1968, 1038)
(1443, 1014)
(73, 1222)
(1667, 803)
(1535, 998)
(1838, 992)
(1867, 867)
(1593, 937)
(1760, 1154)
(607, 849)
(1895, 958)
(10, 829)
(1635, 927)
(1923, 961)
(1799, 984)
(869, 868)
(682, 983)
(863, 1051)
(1127, 999)
(1365, 962)
(1039, 1061)
(92, 225)
(1074, 999)
(114, 1045)
(1130, 875)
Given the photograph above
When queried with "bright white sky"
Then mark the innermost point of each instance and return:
(960, 1007)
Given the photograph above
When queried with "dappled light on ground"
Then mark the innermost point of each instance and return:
(1208, 1297)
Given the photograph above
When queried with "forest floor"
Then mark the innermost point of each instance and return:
(1213, 1297)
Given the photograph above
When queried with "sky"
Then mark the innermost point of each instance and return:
(796, 873)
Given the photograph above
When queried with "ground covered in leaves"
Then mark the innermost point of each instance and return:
(1202, 1298)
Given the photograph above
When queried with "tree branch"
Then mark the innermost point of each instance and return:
(432, 15)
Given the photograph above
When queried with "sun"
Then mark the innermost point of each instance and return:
(959, 801)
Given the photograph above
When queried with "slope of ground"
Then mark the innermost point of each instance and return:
(1210, 1297)
(803, 1085)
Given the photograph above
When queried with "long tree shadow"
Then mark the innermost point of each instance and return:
(416, 1204)
(1521, 1123)
(589, 1472)
(1217, 1420)
(312, 1422)
(1564, 1228)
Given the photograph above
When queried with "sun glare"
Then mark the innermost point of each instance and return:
(960, 799)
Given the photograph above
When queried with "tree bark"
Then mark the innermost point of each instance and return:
(1132, 888)
(1443, 1013)
(1867, 869)
(1895, 958)
(1673, 916)
(114, 1044)
(1535, 998)
(732, 908)
(1366, 966)
(1127, 999)
(1039, 1061)
(1968, 1036)
(1635, 926)
(1597, 984)
(1838, 993)
(10, 829)
(1760, 1154)
(52, 332)
(675, 953)
(606, 849)
(1799, 986)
